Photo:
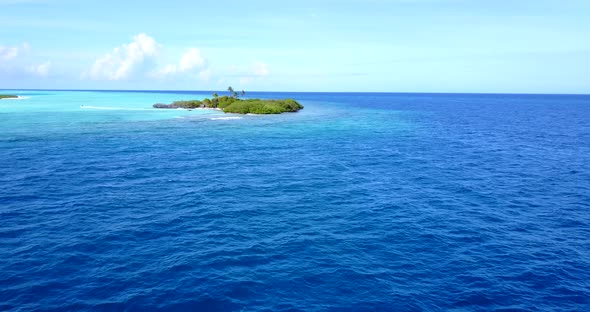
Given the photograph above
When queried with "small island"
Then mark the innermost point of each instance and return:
(234, 104)
(8, 96)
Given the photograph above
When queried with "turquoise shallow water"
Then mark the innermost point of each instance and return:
(358, 202)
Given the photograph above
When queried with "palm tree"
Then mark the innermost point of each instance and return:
(215, 95)
(230, 90)
(243, 93)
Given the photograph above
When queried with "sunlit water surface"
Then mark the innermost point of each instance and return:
(358, 202)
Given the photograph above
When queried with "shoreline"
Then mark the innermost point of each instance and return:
(203, 108)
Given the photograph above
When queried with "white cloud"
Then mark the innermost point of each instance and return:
(167, 70)
(12, 53)
(41, 70)
(140, 58)
(245, 80)
(125, 61)
(14, 61)
(205, 74)
(254, 72)
(143, 58)
(261, 69)
(8, 53)
(190, 61)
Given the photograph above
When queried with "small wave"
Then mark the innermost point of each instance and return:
(225, 118)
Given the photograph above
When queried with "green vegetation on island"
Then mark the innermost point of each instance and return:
(234, 104)
(8, 96)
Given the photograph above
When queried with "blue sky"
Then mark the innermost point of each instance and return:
(345, 45)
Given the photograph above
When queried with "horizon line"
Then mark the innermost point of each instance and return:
(258, 91)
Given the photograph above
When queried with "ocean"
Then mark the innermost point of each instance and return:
(359, 202)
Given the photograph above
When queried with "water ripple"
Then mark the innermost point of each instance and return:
(403, 202)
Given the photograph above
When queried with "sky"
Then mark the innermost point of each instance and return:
(479, 46)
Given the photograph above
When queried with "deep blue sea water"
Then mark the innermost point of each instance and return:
(359, 202)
